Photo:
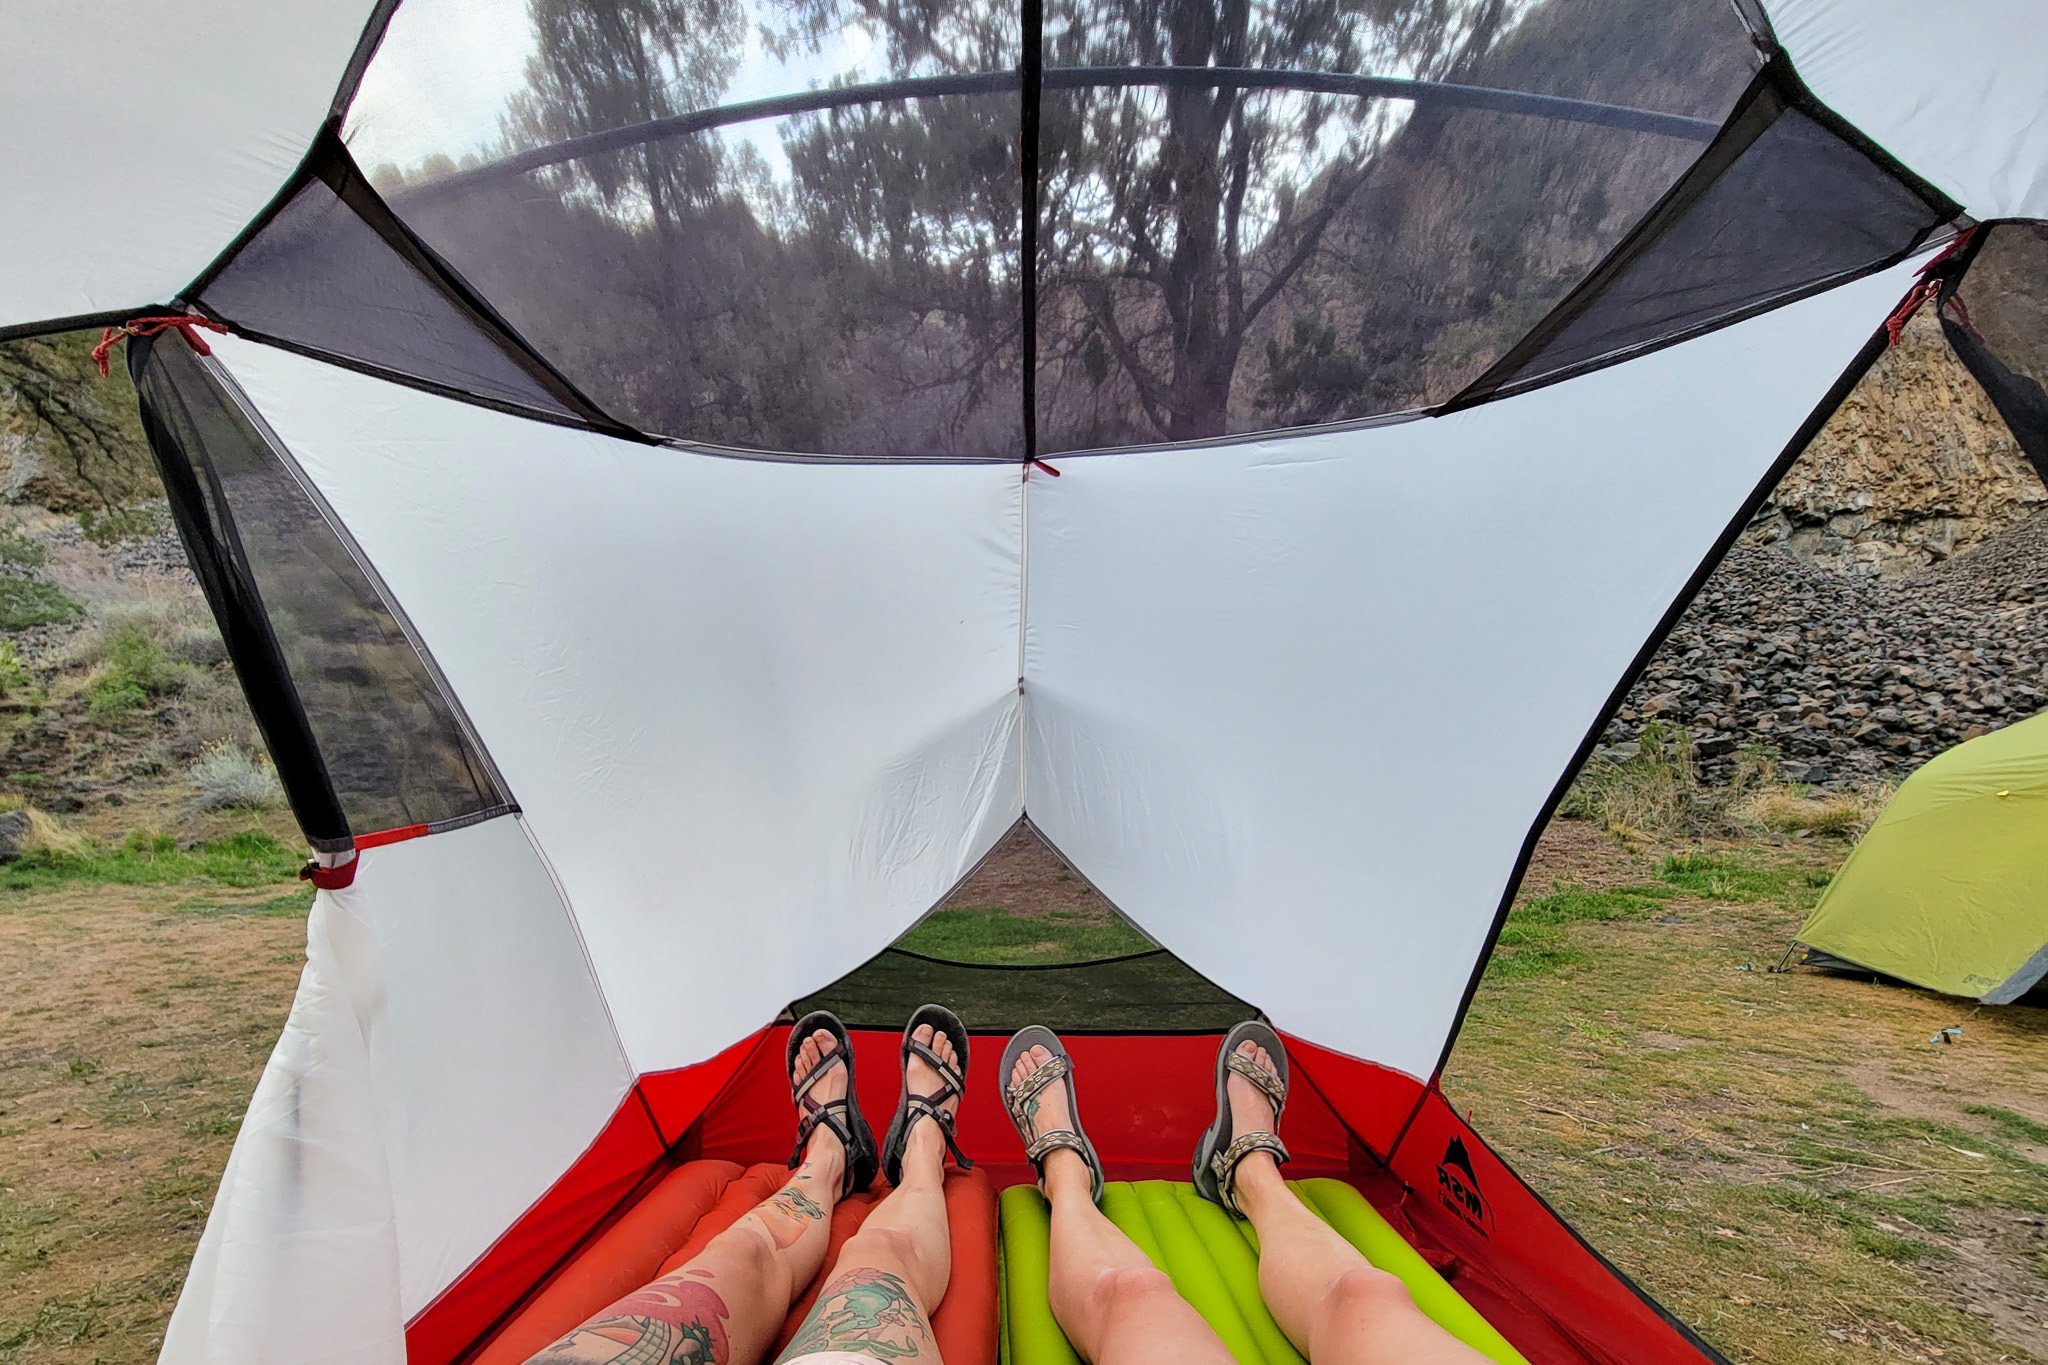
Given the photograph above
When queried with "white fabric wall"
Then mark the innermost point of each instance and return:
(137, 137)
(760, 716)
(1958, 91)
(1294, 704)
(447, 1057)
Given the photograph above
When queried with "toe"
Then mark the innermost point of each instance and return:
(825, 1042)
(922, 1035)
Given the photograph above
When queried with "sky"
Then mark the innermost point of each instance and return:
(446, 68)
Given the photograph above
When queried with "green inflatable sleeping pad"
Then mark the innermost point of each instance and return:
(1212, 1260)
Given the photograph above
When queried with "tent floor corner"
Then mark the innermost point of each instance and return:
(1396, 1141)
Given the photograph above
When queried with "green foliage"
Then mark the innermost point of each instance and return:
(1535, 939)
(13, 673)
(110, 526)
(973, 934)
(26, 602)
(1310, 377)
(16, 548)
(83, 428)
(1652, 790)
(134, 668)
(2016, 1127)
(146, 858)
(1719, 877)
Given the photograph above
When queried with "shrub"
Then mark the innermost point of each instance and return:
(117, 524)
(1654, 790)
(13, 674)
(16, 548)
(133, 669)
(229, 777)
(26, 602)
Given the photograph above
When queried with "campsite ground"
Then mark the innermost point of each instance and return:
(1786, 1160)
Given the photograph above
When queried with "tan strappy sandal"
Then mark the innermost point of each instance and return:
(1219, 1153)
(1016, 1097)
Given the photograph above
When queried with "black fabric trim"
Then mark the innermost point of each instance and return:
(359, 61)
(412, 381)
(286, 192)
(1022, 966)
(1076, 78)
(29, 331)
(2025, 413)
(475, 817)
(1027, 247)
(1876, 346)
(245, 627)
(1775, 90)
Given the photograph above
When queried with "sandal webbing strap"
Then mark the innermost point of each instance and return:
(1049, 1142)
(928, 1107)
(952, 1080)
(1273, 1087)
(832, 1114)
(1226, 1162)
(1038, 1080)
(799, 1089)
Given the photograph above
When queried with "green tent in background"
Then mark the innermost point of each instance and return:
(1949, 889)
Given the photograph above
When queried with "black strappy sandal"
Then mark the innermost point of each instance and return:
(842, 1116)
(1218, 1154)
(952, 1085)
(1015, 1097)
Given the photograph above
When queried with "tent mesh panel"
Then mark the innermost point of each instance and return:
(1026, 941)
(363, 738)
(1997, 321)
(1781, 205)
(317, 277)
(1210, 258)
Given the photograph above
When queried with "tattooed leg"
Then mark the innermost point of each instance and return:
(877, 1301)
(727, 1304)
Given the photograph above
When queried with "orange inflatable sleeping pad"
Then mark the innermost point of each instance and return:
(701, 1199)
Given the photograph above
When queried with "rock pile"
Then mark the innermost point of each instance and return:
(1846, 677)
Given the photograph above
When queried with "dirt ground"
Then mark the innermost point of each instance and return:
(1787, 1161)
(1794, 1162)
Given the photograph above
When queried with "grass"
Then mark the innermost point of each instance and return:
(1655, 793)
(991, 935)
(251, 858)
(26, 602)
(1534, 941)
(1781, 1159)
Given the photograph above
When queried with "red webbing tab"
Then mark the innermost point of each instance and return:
(336, 878)
(1895, 325)
(1041, 464)
(186, 324)
(379, 838)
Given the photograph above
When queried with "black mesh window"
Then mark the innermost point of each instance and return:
(1782, 205)
(843, 282)
(798, 224)
(1026, 941)
(1997, 320)
(317, 277)
(1217, 260)
(363, 738)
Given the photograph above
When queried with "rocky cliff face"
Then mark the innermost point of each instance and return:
(1915, 467)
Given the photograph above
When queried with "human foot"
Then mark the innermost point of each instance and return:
(1251, 1110)
(824, 1145)
(830, 1129)
(1038, 1092)
(1242, 1144)
(934, 1076)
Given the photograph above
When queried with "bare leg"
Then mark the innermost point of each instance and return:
(1331, 1302)
(726, 1306)
(1113, 1305)
(892, 1273)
